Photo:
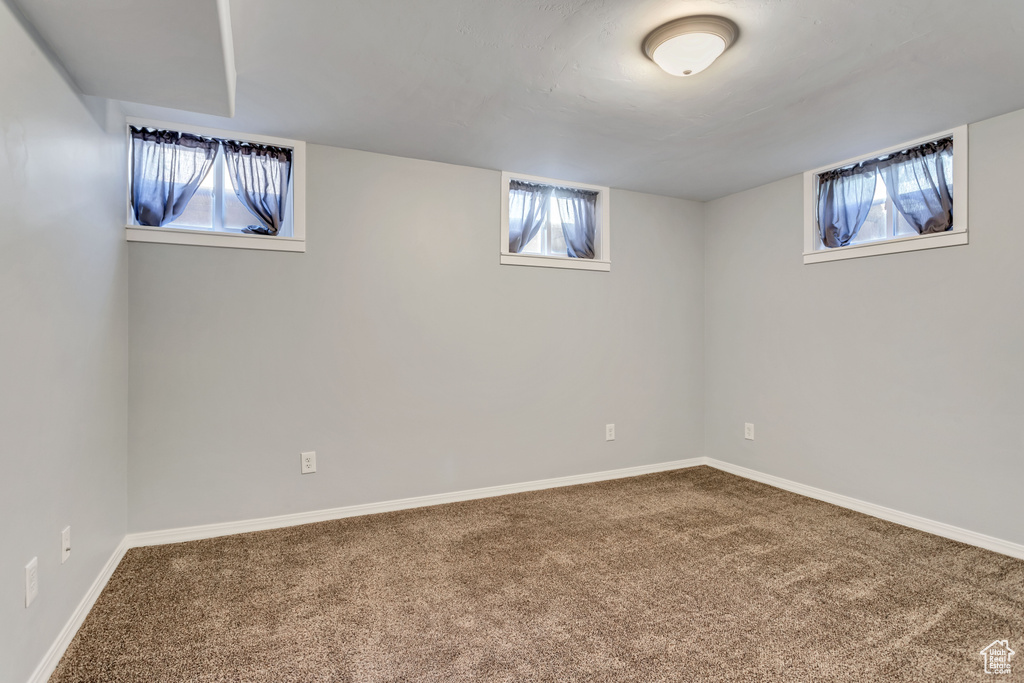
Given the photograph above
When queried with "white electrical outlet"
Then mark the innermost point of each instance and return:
(65, 544)
(748, 431)
(308, 462)
(609, 432)
(31, 581)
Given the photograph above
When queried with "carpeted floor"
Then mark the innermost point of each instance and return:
(692, 575)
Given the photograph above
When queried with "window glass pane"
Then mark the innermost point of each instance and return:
(884, 221)
(236, 216)
(517, 204)
(912, 200)
(557, 240)
(556, 245)
(903, 228)
(549, 240)
(515, 208)
(558, 206)
(199, 212)
(876, 226)
(536, 245)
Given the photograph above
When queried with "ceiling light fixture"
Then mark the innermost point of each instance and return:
(687, 46)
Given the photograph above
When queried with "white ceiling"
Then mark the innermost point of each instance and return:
(561, 88)
(173, 55)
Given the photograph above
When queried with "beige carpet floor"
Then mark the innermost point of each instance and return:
(692, 575)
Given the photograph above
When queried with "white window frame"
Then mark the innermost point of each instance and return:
(815, 252)
(296, 242)
(602, 234)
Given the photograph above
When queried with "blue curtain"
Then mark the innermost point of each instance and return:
(260, 174)
(167, 169)
(528, 206)
(578, 211)
(844, 200)
(920, 183)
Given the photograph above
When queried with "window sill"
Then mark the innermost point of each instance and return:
(914, 243)
(555, 262)
(205, 238)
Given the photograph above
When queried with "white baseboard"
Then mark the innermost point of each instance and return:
(195, 533)
(56, 651)
(913, 521)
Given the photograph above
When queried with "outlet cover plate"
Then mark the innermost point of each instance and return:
(308, 462)
(748, 431)
(609, 432)
(65, 544)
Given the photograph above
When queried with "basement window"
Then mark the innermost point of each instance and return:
(554, 223)
(909, 197)
(200, 186)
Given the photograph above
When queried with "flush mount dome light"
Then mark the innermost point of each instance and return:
(687, 46)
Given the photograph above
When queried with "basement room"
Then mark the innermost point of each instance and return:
(511, 340)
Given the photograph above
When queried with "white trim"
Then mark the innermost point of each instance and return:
(942, 529)
(949, 531)
(893, 246)
(195, 533)
(207, 238)
(602, 240)
(52, 657)
(296, 242)
(813, 253)
(554, 262)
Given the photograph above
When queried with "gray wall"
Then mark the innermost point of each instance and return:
(401, 351)
(895, 379)
(63, 348)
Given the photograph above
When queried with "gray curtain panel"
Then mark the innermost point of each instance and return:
(167, 169)
(260, 174)
(528, 205)
(920, 184)
(578, 211)
(844, 200)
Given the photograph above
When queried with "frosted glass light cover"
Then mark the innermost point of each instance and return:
(688, 45)
(689, 53)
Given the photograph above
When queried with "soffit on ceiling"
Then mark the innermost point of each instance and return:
(170, 54)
